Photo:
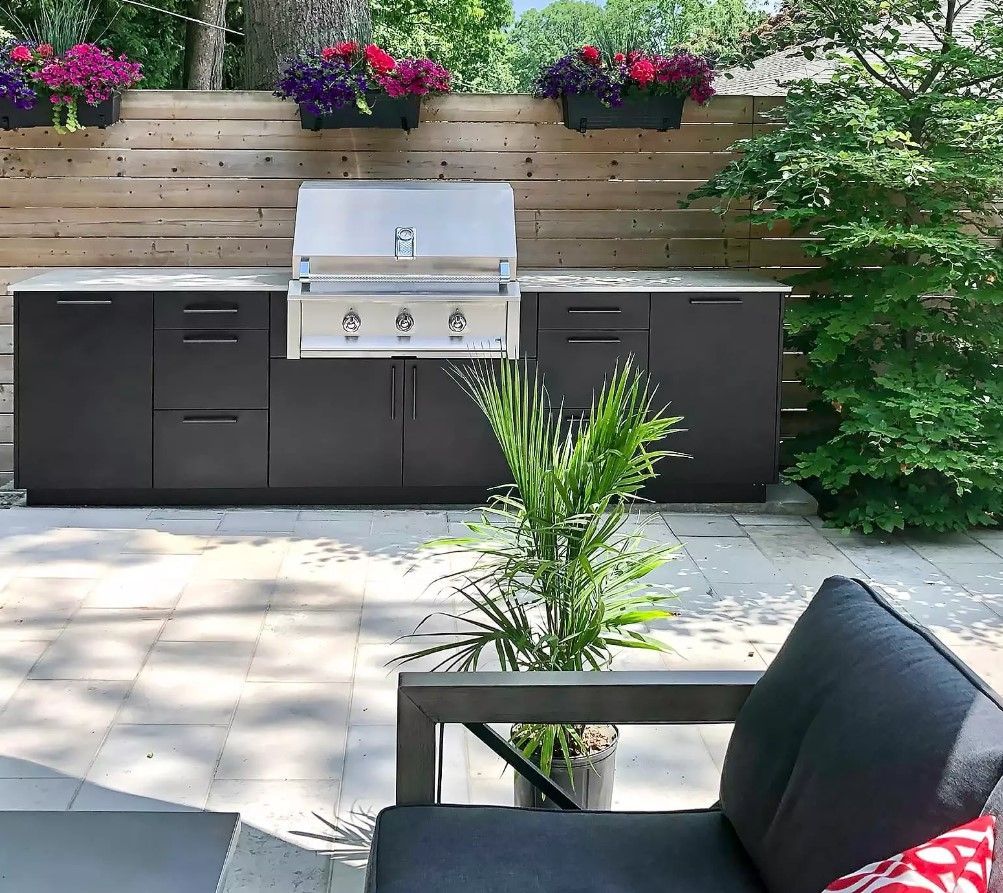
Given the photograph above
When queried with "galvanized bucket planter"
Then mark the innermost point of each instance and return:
(387, 112)
(590, 782)
(583, 112)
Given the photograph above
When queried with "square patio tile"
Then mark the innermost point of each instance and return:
(803, 555)
(189, 683)
(732, 560)
(16, 659)
(686, 525)
(291, 730)
(101, 644)
(953, 547)
(219, 611)
(254, 521)
(142, 581)
(758, 520)
(306, 646)
(54, 728)
(240, 557)
(141, 765)
(37, 793)
(39, 608)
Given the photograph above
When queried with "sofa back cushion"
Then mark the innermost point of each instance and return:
(864, 737)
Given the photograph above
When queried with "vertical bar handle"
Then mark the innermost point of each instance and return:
(414, 391)
(393, 391)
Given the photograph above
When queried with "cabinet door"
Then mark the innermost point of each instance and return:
(447, 440)
(335, 423)
(574, 364)
(716, 360)
(84, 390)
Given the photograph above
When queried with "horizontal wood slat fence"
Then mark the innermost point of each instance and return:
(210, 179)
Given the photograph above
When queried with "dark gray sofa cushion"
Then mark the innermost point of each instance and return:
(495, 849)
(864, 737)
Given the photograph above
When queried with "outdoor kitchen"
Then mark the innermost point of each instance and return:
(330, 382)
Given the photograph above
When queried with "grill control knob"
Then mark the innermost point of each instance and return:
(405, 321)
(457, 322)
(351, 322)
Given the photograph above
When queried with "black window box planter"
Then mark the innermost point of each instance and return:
(386, 112)
(585, 112)
(101, 115)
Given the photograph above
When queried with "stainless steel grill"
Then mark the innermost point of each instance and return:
(403, 268)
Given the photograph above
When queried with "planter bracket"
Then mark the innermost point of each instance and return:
(527, 769)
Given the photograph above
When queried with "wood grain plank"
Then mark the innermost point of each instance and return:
(490, 166)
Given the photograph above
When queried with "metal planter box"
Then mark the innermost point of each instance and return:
(386, 112)
(585, 112)
(101, 115)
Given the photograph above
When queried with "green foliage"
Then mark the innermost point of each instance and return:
(895, 168)
(464, 35)
(558, 584)
(716, 28)
(61, 23)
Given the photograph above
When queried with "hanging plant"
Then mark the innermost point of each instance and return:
(627, 89)
(346, 85)
(84, 75)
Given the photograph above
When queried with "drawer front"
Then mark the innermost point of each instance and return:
(210, 369)
(210, 310)
(594, 310)
(210, 449)
(574, 364)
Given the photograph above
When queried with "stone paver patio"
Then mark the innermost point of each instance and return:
(236, 660)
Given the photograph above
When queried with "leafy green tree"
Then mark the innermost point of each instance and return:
(895, 168)
(542, 35)
(464, 35)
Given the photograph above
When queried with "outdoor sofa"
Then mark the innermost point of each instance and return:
(865, 737)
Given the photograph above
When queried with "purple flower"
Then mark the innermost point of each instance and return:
(321, 85)
(15, 86)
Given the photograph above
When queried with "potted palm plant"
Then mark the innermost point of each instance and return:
(558, 580)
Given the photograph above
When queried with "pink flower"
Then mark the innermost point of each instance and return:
(346, 48)
(45, 50)
(619, 58)
(591, 55)
(328, 53)
(21, 55)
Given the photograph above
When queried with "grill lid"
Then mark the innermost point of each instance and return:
(405, 229)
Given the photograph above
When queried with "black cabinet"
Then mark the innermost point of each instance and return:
(336, 423)
(84, 390)
(211, 310)
(206, 450)
(448, 441)
(715, 359)
(594, 310)
(574, 364)
(211, 369)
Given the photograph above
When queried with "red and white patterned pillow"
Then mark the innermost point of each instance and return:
(959, 861)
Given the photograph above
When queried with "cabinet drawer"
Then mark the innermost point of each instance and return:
(210, 449)
(594, 310)
(210, 369)
(210, 310)
(574, 364)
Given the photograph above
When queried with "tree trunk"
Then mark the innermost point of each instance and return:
(276, 31)
(204, 50)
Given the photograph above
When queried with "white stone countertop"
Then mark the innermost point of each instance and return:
(648, 280)
(277, 279)
(158, 279)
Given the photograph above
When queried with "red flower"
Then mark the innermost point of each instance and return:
(642, 71)
(346, 48)
(619, 58)
(21, 54)
(45, 50)
(328, 53)
(634, 55)
(381, 61)
(591, 55)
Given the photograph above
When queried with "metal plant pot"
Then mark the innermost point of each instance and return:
(386, 112)
(101, 115)
(585, 112)
(592, 777)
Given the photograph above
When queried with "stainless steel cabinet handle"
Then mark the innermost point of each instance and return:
(393, 391)
(414, 392)
(715, 300)
(195, 308)
(202, 339)
(595, 310)
(210, 419)
(574, 340)
(84, 301)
